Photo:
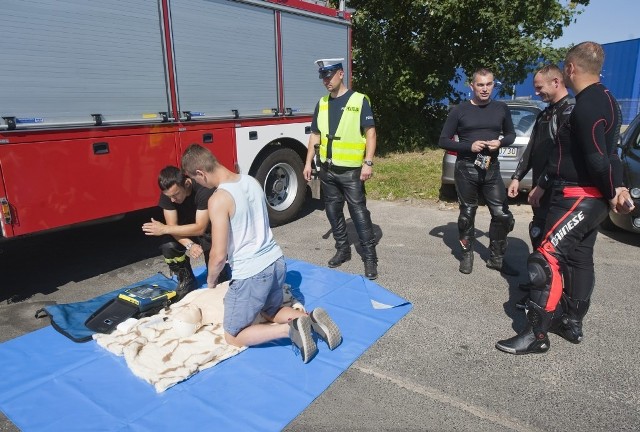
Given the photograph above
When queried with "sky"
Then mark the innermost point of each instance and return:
(603, 21)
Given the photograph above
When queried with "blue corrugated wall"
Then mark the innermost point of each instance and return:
(620, 73)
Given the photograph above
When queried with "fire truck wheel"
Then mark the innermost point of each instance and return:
(280, 175)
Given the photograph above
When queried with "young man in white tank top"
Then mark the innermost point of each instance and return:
(241, 234)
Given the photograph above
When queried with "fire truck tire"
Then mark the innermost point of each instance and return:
(280, 175)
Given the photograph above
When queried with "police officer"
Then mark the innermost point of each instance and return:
(549, 86)
(479, 123)
(344, 128)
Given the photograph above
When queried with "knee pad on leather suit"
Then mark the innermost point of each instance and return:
(540, 274)
(466, 222)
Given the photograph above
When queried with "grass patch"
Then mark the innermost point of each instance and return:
(401, 176)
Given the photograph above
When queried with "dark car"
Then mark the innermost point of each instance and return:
(523, 114)
(629, 152)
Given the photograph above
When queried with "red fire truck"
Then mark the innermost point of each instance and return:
(98, 96)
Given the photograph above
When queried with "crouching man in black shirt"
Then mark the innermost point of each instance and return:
(184, 207)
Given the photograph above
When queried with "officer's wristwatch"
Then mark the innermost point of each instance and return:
(368, 162)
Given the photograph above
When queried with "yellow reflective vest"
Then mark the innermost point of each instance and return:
(348, 145)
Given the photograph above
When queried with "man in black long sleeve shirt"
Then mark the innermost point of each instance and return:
(549, 86)
(479, 124)
(585, 180)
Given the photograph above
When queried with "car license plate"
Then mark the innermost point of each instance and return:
(508, 152)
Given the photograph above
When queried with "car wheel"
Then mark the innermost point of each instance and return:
(280, 175)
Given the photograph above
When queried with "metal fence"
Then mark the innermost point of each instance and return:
(630, 108)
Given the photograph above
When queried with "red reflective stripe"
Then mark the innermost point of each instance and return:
(593, 135)
(581, 192)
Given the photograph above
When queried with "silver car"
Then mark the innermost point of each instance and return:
(629, 151)
(523, 114)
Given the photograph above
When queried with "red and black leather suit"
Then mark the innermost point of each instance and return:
(582, 176)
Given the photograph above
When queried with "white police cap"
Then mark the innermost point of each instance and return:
(326, 67)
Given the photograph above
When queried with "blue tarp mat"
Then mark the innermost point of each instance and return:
(53, 384)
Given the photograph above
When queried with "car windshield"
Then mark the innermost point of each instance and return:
(523, 119)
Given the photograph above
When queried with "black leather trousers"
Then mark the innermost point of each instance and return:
(340, 185)
(470, 180)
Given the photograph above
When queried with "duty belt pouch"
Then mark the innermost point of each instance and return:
(482, 161)
(137, 302)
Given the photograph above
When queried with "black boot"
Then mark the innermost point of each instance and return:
(466, 264)
(569, 325)
(370, 258)
(533, 339)
(180, 265)
(341, 256)
(569, 329)
(496, 261)
(370, 269)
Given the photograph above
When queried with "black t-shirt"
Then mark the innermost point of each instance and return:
(586, 144)
(477, 122)
(336, 107)
(197, 200)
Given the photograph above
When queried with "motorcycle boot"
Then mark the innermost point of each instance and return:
(341, 256)
(466, 264)
(497, 249)
(180, 265)
(533, 339)
(370, 259)
(339, 228)
(569, 326)
(361, 218)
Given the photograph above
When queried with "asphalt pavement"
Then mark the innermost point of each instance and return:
(436, 369)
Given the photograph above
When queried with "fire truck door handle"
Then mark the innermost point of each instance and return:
(100, 148)
(207, 138)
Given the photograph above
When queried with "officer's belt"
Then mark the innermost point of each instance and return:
(329, 166)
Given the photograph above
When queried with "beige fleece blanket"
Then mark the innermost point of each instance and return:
(155, 350)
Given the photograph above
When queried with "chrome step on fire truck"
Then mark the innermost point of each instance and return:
(97, 97)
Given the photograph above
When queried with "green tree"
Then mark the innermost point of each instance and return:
(407, 52)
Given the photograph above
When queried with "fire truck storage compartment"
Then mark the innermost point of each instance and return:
(68, 62)
(305, 40)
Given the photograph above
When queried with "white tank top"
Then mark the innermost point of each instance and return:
(251, 246)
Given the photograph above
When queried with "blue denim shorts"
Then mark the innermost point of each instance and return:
(249, 297)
